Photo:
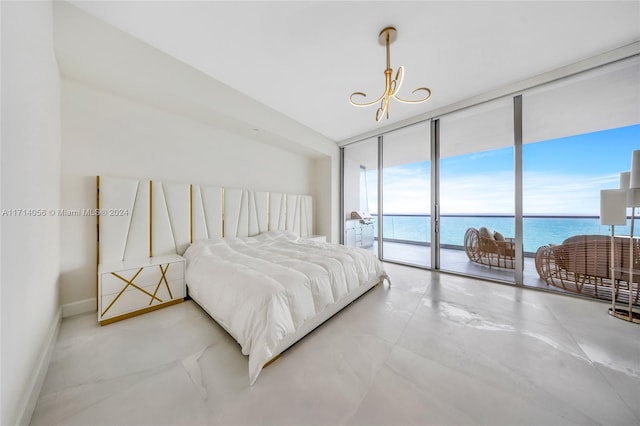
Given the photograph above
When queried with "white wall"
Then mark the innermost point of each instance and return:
(30, 159)
(351, 186)
(109, 135)
(327, 199)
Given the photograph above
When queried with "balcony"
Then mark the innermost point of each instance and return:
(406, 241)
(454, 259)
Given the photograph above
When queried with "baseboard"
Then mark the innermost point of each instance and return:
(39, 372)
(80, 307)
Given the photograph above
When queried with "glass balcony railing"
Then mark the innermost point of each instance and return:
(538, 230)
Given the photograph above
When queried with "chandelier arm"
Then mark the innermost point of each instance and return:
(364, 95)
(379, 114)
(397, 81)
(415, 101)
(384, 107)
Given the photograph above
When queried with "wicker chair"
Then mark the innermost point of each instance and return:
(489, 249)
(581, 264)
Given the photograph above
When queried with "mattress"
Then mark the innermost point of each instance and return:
(264, 289)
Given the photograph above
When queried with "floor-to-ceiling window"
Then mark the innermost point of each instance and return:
(477, 190)
(578, 135)
(407, 195)
(360, 193)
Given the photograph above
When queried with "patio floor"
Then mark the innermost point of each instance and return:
(456, 260)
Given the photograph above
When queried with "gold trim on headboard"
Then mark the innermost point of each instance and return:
(150, 218)
(190, 213)
(97, 233)
(222, 194)
(149, 234)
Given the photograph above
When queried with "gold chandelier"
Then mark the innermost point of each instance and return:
(386, 37)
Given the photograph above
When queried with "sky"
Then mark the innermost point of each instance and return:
(560, 177)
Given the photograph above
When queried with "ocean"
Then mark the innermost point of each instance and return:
(538, 231)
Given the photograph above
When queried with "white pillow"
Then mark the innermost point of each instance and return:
(484, 232)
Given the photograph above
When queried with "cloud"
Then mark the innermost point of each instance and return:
(409, 191)
(566, 194)
(478, 193)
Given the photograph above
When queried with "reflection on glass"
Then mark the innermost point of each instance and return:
(364, 193)
(360, 193)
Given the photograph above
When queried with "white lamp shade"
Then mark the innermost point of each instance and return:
(625, 179)
(613, 207)
(635, 170)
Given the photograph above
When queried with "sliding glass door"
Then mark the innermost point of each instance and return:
(477, 227)
(579, 134)
(407, 195)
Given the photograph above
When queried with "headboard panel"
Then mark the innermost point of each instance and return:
(170, 218)
(236, 213)
(298, 214)
(306, 214)
(162, 218)
(258, 212)
(246, 213)
(206, 214)
(277, 211)
(125, 203)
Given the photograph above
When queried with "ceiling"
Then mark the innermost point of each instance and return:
(303, 59)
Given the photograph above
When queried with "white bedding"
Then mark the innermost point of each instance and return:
(263, 288)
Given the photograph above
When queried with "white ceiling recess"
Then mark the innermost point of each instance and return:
(92, 52)
(304, 58)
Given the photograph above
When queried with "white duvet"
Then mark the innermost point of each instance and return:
(263, 288)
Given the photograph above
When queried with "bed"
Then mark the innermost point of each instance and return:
(270, 290)
(248, 263)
